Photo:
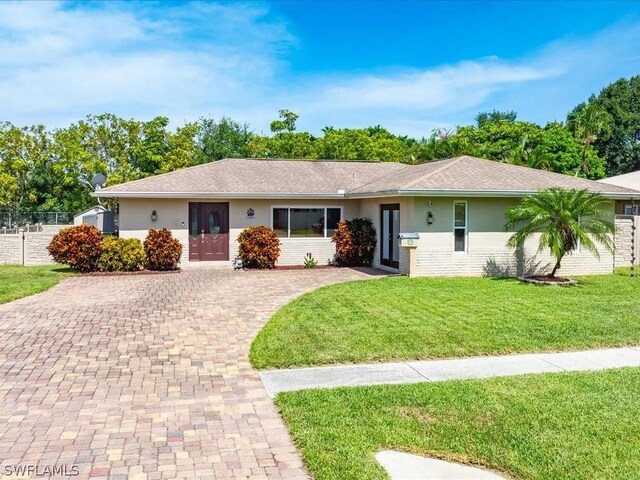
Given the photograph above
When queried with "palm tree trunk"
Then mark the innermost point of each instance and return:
(583, 166)
(555, 269)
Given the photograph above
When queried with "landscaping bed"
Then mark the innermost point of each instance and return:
(403, 318)
(556, 426)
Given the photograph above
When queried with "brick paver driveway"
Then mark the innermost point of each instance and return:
(147, 376)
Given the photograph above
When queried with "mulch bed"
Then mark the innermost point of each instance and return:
(547, 280)
(139, 272)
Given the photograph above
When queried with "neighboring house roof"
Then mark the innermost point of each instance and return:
(257, 178)
(627, 180)
(92, 209)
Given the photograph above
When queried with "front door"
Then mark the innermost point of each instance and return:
(390, 228)
(208, 231)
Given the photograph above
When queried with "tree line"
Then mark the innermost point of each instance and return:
(49, 170)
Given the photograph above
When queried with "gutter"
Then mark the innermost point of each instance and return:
(344, 195)
(214, 195)
(501, 193)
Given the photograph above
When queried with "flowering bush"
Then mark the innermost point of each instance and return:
(79, 247)
(121, 255)
(355, 242)
(162, 250)
(259, 247)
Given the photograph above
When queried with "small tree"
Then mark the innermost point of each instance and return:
(563, 218)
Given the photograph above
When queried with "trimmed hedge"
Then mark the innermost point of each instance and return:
(162, 250)
(259, 247)
(355, 242)
(121, 255)
(79, 247)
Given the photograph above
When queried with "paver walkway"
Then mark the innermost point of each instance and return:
(276, 381)
(147, 376)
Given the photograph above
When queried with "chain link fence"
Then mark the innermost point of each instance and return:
(21, 219)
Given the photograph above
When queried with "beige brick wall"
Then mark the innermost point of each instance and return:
(135, 221)
(10, 248)
(625, 242)
(35, 248)
(30, 251)
(487, 252)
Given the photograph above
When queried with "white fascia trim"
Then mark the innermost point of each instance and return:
(497, 193)
(248, 196)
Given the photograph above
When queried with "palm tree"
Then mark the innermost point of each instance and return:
(588, 124)
(525, 156)
(564, 219)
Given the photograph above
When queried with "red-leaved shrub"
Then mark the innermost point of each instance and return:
(355, 242)
(162, 250)
(79, 247)
(259, 247)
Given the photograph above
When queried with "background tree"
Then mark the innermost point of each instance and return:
(225, 138)
(564, 219)
(373, 143)
(621, 148)
(563, 153)
(286, 123)
(483, 118)
(22, 152)
(588, 122)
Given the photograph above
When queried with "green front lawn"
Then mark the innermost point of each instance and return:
(17, 281)
(400, 318)
(552, 426)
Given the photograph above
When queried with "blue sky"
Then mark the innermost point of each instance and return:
(409, 66)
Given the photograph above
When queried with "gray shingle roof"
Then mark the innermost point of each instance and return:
(257, 177)
(479, 175)
(253, 176)
(627, 180)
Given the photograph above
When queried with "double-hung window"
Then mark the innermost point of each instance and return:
(460, 227)
(304, 222)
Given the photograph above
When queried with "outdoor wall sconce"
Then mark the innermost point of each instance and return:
(154, 215)
(429, 218)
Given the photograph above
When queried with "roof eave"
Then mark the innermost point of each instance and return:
(247, 195)
(497, 193)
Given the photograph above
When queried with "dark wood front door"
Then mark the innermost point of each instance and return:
(208, 231)
(389, 230)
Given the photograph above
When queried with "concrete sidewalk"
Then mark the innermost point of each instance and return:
(276, 381)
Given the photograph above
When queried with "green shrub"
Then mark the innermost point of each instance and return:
(121, 255)
(259, 247)
(79, 247)
(355, 242)
(162, 251)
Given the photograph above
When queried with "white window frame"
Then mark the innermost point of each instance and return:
(289, 207)
(466, 227)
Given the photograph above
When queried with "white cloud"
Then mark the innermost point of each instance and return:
(60, 62)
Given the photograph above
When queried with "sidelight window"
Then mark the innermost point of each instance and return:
(460, 227)
(295, 222)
